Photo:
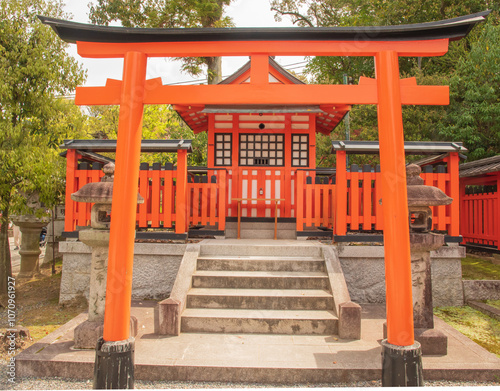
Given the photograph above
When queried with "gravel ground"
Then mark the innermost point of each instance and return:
(67, 384)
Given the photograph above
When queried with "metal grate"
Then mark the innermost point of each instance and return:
(223, 148)
(262, 149)
(300, 150)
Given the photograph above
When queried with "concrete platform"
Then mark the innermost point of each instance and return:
(256, 358)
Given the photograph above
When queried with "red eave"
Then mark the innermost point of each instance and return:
(325, 122)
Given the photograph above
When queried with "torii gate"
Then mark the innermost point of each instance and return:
(388, 91)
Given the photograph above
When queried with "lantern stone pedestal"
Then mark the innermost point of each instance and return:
(30, 227)
(422, 242)
(88, 333)
(433, 342)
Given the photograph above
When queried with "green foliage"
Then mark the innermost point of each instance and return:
(34, 68)
(481, 328)
(475, 97)
(167, 14)
(471, 68)
(344, 13)
(160, 122)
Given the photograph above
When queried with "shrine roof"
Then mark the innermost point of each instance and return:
(455, 28)
(110, 145)
(327, 116)
(480, 167)
(411, 147)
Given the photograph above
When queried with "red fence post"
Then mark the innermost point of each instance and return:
(222, 177)
(341, 191)
(181, 197)
(497, 213)
(299, 203)
(454, 208)
(69, 211)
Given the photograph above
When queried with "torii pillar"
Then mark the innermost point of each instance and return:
(401, 355)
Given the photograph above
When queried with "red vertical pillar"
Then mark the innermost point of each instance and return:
(395, 202)
(497, 214)
(341, 190)
(69, 208)
(454, 208)
(123, 210)
(181, 199)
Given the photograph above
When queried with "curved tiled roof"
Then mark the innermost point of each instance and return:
(455, 28)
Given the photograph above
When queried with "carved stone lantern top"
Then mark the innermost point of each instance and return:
(420, 198)
(101, 194)
(420, 194)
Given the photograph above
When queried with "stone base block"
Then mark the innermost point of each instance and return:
(88, 333)
(350, 320)
(433, 342)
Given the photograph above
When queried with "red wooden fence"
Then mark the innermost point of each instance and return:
(164, 206)
(479, 210)
(354, 201)
(348, 201)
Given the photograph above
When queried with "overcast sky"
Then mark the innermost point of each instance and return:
(245, 13)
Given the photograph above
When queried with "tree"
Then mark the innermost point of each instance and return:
(422, 123)
(168, 14)
(474, 112)
(34, 68)
(342, 13)
(160, 122)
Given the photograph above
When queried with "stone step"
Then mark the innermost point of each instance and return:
(258, 321)
(309, 264)
(275, 299)
(260, 280)
(261, 225)
(260, 234)
(261, 247)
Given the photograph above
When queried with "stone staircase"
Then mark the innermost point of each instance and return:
(270, 290)
(261, 230)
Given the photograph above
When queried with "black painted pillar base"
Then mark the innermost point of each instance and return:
(114, 364)
(401, 365)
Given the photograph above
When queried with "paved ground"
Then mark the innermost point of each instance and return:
(256, 358)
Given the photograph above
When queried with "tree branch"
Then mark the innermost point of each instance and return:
(299, 16)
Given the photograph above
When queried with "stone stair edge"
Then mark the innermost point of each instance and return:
(258, 314)
(259, 292)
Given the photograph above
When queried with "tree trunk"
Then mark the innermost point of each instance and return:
(5, 264)
(214, 65)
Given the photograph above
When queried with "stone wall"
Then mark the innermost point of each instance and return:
(155, 269)
(482, 289)
(364, 271)
(156, 266)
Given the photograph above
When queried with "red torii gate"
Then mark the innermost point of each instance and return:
(388, 91)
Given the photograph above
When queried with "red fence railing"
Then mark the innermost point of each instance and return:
(164, 206)
(479, 210)
(352, 200)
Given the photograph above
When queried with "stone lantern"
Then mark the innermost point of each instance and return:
(422, 242)
(30, 227)
(101, 194)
